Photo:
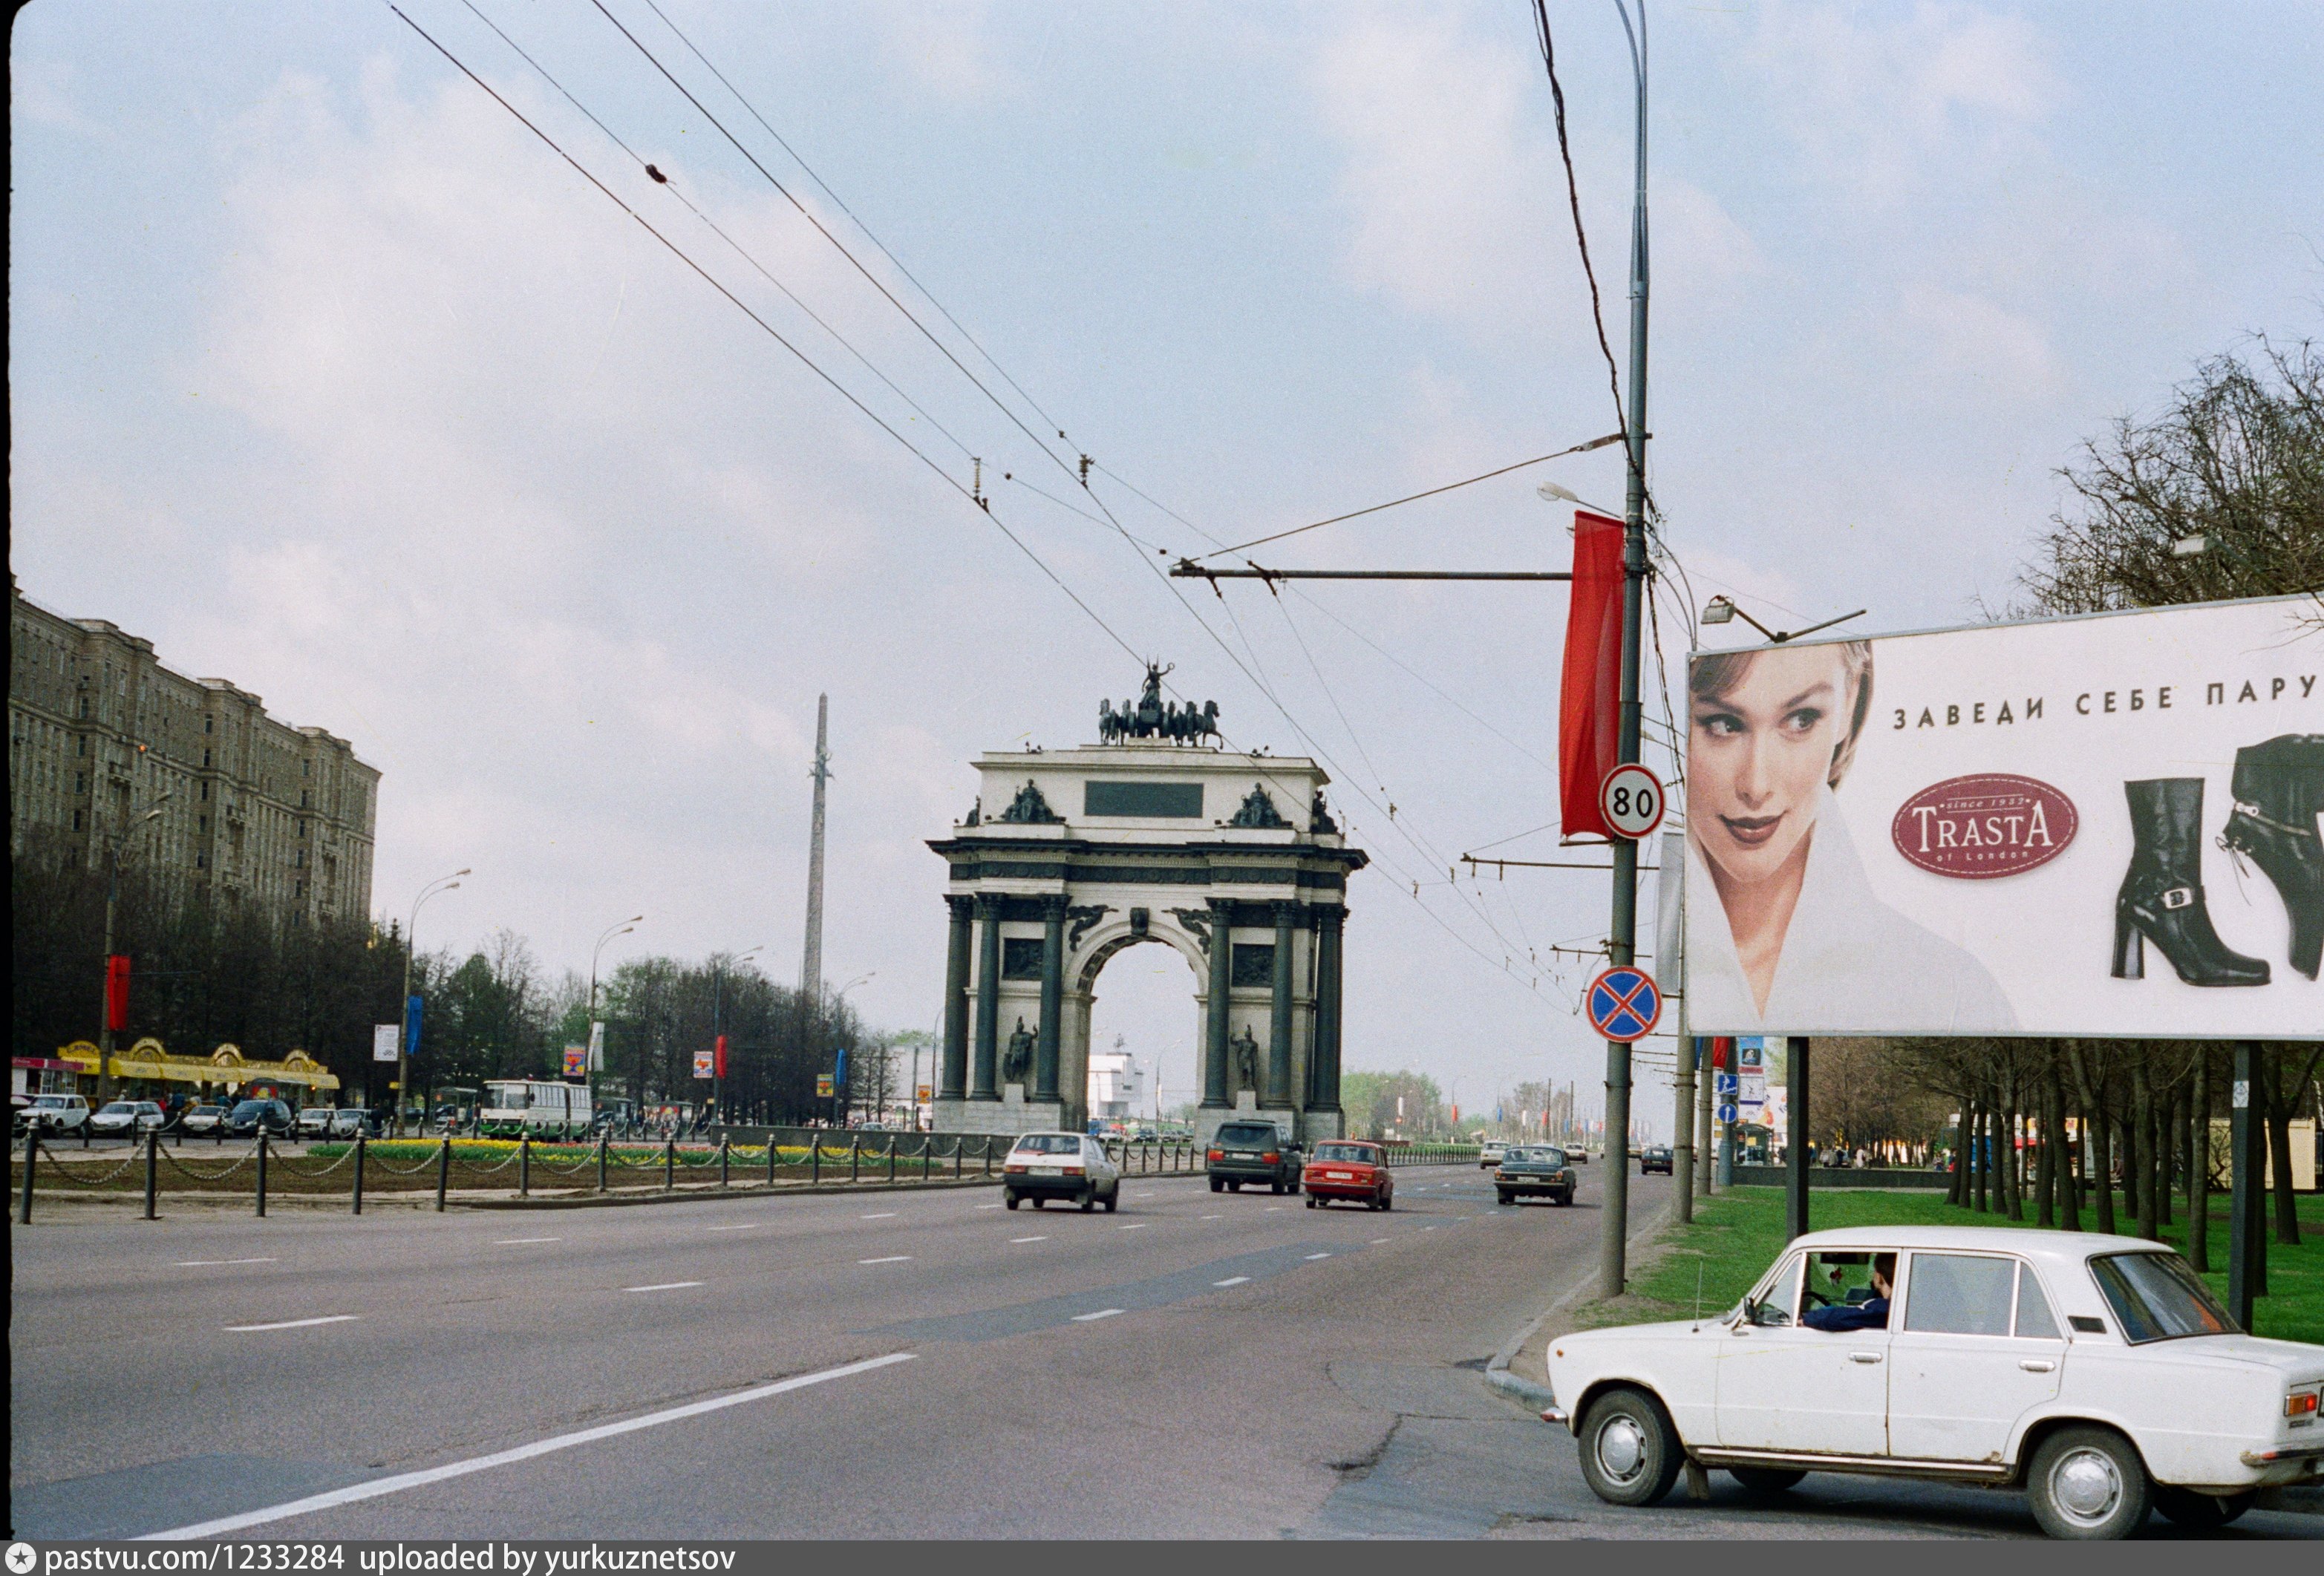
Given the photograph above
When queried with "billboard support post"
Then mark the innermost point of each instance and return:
(1796, 1156)
(1682, 1149)
(1706, 1133)
(2243, 1158)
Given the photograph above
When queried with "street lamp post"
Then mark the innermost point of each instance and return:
(619, 927)
(112, 897)
(405, 1041)
(717, 1028)
(837, 1094)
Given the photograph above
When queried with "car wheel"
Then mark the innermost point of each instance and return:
(2089, 1483)
(1216, 1184)
(1275, 1188)
(2201, 1512)
(1234, 1186)
(1089, 1200)
(1630, 1454)
(1766, 1480)
(1009, 1199)
(1508, 1198)
(1310, 1201)
(1114, 1199)
(1038, 1202)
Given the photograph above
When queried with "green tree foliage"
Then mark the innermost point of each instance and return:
(1369, 1100)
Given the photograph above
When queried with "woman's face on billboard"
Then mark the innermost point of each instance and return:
(1759, 756)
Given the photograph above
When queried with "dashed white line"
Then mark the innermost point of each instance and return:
(523, 1452)
(883, 1215)
(212, 1263)
(1015, 1239)
(1319, 1255)
(1215, 1217)
(1147, 1193)
(1137, 1225)
(1376, 1240)
(1271, 1209)
(1232, 1281)
(890, 1259)
(297, 1323)
(666, 1286)
(743, 1226)
(518, 1241)
(1091, 1318)
(989, 1206)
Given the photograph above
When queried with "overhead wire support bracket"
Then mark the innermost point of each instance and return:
(1187, 569)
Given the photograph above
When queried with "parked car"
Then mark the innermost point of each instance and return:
(1254, 1152)
(1656, 1158)
(56, 1114)
(313, 1121)
(122, 1118)
(1354, 1169)
(2097, 1374)
(204, 1118)
(1534, 1171)
(352, 1120)
(1489, 1153)
(250, 1118)
(1068, 1166)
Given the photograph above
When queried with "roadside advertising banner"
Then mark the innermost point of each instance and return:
(383, 1038)
(576, 1061)
(2101, 827)
(705, 1064)
(597, 1046)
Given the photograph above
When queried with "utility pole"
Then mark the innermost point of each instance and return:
(1614, 1227)
(811, 968)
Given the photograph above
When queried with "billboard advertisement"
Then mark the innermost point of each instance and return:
(2103, 826)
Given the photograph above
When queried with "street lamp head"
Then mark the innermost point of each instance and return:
(1550, 491)
(2190, 546)
(1719, 611)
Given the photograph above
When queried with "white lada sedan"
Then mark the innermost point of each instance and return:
(2097, 1373)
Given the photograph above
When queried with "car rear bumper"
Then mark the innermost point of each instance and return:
(1345, 1189)
(1236, 1171)
(1531, 1185)
(1031, 1187)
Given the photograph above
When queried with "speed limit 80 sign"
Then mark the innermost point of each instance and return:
(1631, 800)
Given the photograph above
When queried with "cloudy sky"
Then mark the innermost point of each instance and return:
(330, 378)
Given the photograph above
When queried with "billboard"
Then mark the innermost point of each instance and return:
(2102, 826)
(705, 1064)
(384, 1039)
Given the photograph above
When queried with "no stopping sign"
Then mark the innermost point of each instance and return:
(1631, 800)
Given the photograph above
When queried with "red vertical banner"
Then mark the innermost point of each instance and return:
(1722, 1054)
(720, 1063)
(1590, 698)
(116, 991)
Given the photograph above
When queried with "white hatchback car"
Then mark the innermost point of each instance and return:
(2097, 1373)
(1073, 1166)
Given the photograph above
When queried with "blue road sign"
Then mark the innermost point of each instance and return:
(1727, 1112)
(1624, 1003)
(1727, 1083)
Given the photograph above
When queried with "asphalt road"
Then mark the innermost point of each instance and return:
(1195, 1365)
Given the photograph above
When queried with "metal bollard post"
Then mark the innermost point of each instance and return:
(814, 1160)
(443, 1171)
(31, 1156)
(604, 1142)
(892, 1159)
(988, 1155)
(524, 1166)
(958, 1146)
(855, 1158)
(928, 1157)
(770, 1158)
(153, 1170)
(723, 1142)
(359, 1140)
(262, 1173)
(669, 1165)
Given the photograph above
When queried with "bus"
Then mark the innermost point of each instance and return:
(543, 1108)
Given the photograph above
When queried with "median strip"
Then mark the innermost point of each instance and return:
(295, 1323)
(523, 1452)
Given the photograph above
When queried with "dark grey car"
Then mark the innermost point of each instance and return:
(1534, 1171)
(1252, 1152)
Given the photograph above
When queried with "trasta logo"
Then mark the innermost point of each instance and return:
(1990, 825)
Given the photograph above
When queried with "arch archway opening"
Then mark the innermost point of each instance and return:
(1145, 1009)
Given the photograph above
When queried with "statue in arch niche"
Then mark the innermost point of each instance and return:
(1243, 1053)
(1016, 1061)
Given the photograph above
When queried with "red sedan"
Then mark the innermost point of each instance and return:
(1349, 1169)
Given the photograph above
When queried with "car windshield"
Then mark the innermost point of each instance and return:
(1049, 1143)
(1541, 1156)
(1344, 1152)
(53, 1101)
(118, 1107)
(252, 1108)
(2156, 1297)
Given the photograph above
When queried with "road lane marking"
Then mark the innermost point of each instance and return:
(1215, 1217)
(1147, 1193)
(991, 1206)
(1232, 1281)
(890, 1259)
(743, 1226)
(1015, 1239)
(523, 1452)
(883, 1215)
(1319, 1255)
(1137, 1225)
(1091, 1318)
(211, 1263)
(666, 1285)
(1377, 1241)
(1428, 1228)
(515, 1241)
(296, 1323)
(1271, 1209)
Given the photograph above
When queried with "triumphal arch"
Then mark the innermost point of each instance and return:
(1153, 835)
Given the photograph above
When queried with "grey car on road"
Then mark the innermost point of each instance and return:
(1252, 1152)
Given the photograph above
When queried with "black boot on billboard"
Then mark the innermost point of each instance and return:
(2279, 789)
(2161, 897)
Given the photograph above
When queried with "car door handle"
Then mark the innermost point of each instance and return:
(1864, 1357)
(2036, 1365)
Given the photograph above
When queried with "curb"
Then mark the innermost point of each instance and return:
(1524, 1391)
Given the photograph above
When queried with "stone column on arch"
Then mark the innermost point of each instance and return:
(954, 1084)
(1215, 1094)
(1329, 921)
(1053, 997)
(984, 1069)
(1279, 1036)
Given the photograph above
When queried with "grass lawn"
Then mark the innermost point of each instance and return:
(1735, 1236)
